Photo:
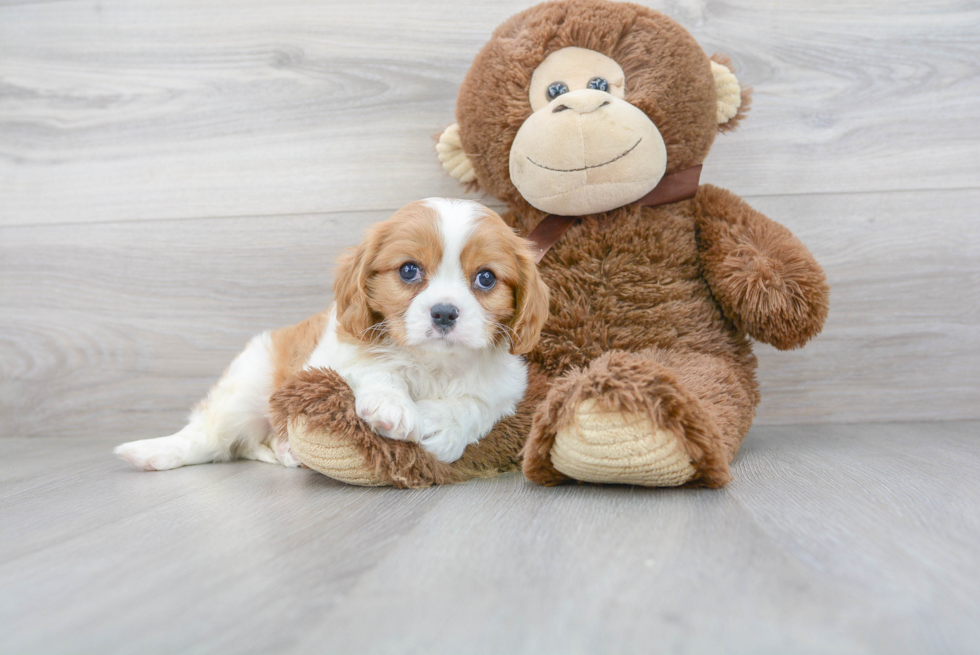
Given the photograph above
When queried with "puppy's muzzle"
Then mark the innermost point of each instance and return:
(444, 316)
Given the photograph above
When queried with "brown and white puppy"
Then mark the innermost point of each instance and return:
(432, 314)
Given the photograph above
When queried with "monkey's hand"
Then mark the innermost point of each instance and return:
(764, 278)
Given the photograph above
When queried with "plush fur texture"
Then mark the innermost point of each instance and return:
(628, 288)
(746, 93)
(326, 403)
(652, 308)
(762, 276)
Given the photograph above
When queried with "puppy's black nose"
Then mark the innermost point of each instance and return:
(444, 316)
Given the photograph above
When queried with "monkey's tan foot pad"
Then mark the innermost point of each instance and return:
(616, 447)
(335, 457)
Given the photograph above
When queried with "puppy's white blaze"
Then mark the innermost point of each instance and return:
(448, 283)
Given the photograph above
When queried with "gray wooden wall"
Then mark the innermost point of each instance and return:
(177, 175)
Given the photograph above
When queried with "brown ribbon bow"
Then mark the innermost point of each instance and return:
(682, 185)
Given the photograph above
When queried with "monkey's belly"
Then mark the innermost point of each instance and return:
(661, 311)
(630, 280)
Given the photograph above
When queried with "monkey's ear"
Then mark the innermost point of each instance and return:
(454, 160)
(733, 100)
(729, 92)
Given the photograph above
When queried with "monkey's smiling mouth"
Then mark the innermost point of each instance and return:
(585, 168)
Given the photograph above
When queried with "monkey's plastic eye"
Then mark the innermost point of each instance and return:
(410, 272)
(599, 84)
(556, 89)
(485, 280)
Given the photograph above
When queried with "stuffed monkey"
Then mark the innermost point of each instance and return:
(591, 120)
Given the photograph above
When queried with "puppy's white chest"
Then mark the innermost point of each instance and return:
(442, 382)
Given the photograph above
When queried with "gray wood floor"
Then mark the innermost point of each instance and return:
(178, 175)
(832, 539)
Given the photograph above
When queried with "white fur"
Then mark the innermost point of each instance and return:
(233, 420)
(444, 391)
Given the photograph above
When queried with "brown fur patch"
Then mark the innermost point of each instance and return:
(492, 246)
(292, 346)
(632, 281)
(519, 301)
(532, 300)
(371, 297)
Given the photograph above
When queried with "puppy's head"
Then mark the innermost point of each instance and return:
(441, 274)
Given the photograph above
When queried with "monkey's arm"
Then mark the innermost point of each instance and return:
(764, 278)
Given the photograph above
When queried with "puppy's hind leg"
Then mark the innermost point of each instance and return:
(232, 421)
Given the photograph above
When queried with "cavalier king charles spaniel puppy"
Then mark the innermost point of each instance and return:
(431, 315)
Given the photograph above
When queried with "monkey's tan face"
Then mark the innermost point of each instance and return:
(585, 149)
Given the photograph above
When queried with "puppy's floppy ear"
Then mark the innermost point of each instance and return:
(350, 285)
(530, 301)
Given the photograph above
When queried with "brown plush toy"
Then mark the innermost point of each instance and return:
(591, 120)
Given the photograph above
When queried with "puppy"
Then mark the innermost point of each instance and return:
(432, 313)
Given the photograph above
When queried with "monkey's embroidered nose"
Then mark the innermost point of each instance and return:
(585, 101)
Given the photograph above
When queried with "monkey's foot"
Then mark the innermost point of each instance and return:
(621, 448)
(624, 419)
(334, 455)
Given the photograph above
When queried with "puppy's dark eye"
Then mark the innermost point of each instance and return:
(485, 280)
(599, 84)
(410, 272)
(556, 89)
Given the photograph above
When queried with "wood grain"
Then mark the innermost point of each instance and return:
(116, 328)
(118, 110)
(903, 337)
(827, 568)
(843, 539)
(119, 328)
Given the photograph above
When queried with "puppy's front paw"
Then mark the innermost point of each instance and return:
(440, 431)
(389, 414)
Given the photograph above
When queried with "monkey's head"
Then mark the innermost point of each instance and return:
(577, 107)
